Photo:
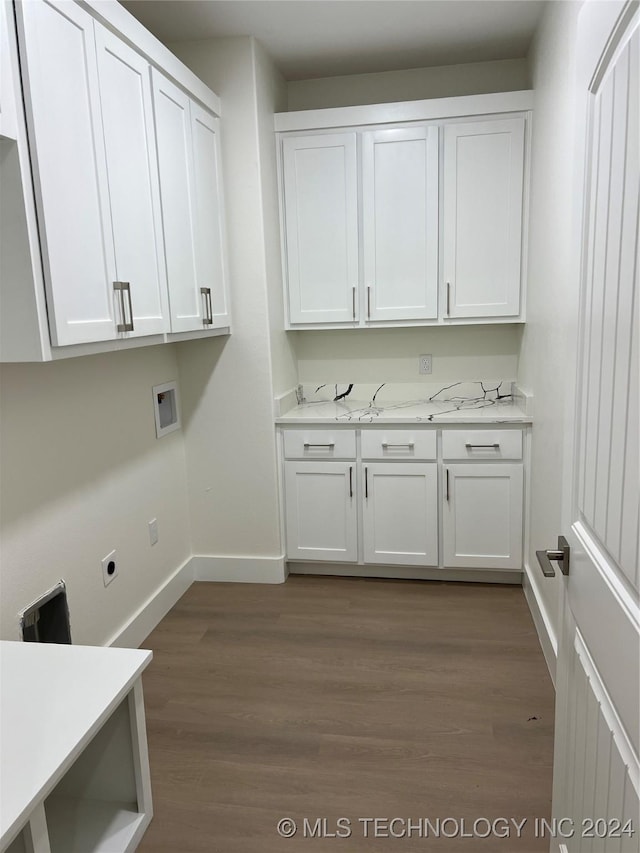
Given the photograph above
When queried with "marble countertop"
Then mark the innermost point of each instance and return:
(460, 403)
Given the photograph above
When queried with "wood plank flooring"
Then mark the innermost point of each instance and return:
(347, 698)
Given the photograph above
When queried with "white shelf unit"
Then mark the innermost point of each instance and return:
(75, 766)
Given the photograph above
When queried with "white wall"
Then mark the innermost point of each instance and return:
(391, 355)
(227, 392)
(82, 474)
(552, 294)
(271, 97)
(473, 78)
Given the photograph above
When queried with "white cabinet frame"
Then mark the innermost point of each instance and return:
(439, 118)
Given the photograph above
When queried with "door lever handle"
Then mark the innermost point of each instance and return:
(560, 556)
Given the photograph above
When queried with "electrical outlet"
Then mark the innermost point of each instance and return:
(153, 531)
(109, 568)
(424, 364)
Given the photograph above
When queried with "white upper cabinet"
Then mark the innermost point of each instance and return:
(175, 161)
(67, 146)
(321, 234)
(482, 221)
(211, 264)
(405, 214)
(192, 214)
(400, 223)
(8, 128)
(114, 185)
(127, 114)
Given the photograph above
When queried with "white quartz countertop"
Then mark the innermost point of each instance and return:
(409, 412)
(463, 402)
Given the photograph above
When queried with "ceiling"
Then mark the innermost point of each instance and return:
(326, 38)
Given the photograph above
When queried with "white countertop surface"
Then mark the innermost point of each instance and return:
(356, 412)
(53, 699)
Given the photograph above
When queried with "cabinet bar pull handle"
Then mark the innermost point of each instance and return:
(307, 445)
(366, 482)
(447, 485)
(353, 301)
(350, 481)
(495, 445)
(120, 287)
(409, 444)
(369, 301)
(448, 298)
(208, 318)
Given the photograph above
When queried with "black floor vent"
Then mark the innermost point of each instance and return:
(47, 619)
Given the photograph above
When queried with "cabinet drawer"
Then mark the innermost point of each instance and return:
(319, 444)
(482, 444)
(398, 444)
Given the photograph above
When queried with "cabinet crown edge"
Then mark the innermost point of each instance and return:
(405, 111)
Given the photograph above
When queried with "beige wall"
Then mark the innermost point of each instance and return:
(553, 299)
(473, 78)
(391, 355)
(82, 474)
(227, 389)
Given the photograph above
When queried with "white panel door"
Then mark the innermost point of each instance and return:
(482, 516)
(400, 223)
(321, 227)
(320, 505)
(597, 745)
(132, 174)
(211, 266)
(172, 108)
(400, 518)
(482, 222)
(63, 108)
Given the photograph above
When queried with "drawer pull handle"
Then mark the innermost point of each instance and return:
(351, 481)
(494, 446)
(307, 445)
(409, 444)
(447, 485)
(366, 483)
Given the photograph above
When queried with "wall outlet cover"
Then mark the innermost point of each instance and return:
(424, 364)
(109, 568)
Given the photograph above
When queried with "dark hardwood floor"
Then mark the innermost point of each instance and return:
(347, 698)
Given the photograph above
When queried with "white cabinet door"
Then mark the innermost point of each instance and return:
(61, 92)
(482, 223)
(401, 513)
(175, 161)
(321, 227)
(8, 119)
(132, 174)
(320, 507)
(482, 516)
(400, 223)
(211, 268)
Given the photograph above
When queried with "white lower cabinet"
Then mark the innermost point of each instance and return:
(321, 511)
(482, 516)
(393, 498)
(400, 514)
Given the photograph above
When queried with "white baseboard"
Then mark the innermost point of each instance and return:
(353, 570)
(540, 615)
(239, 569)
(134, 632)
